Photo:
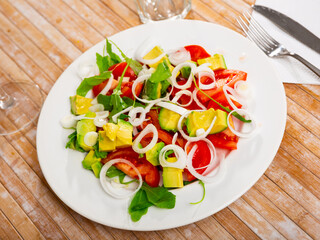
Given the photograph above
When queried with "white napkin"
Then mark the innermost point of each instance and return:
(307, 14)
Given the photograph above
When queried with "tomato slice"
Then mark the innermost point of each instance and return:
(223, 77)
(150, 174)
(117, 71)
(197, 52)
(225, 139)
(221, 98)
(201, 158)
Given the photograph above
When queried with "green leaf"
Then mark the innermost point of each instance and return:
(139, 205)
(105, 101)
(123, 116)
(87, 83)
(204, 193)
(130, 102)
(102, 62)
(117, 104)
(160, 196)
(162, 73)
(135, 65)
(115, 172)
(113, 56)
(97, 153)
(73, 143)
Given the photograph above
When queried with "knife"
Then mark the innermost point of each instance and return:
(290, 26)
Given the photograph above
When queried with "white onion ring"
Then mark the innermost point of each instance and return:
(243, 134)
(180, 56)
(180, 155)
(194, 139)
(217, 174)
(175, 71)
(206, 86)
(96, 107)
(141, 51)
(115, 117)
(104, 90)
(68, 121)
(195, 98)
(106, 184)
(99, 122)
(178, 96)
(174, 138)
(226, 88)
(242, 89)
(88, 136)
(172, 107)
(134, 120)
(150, 128)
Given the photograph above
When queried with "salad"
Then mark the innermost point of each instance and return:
(157, 122)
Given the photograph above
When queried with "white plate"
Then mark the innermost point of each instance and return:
(81, 191)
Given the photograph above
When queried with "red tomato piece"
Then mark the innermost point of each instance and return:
(150, 174)
(201, 158)
(197, 52)
(225, 139)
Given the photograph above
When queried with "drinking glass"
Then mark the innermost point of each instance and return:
(155, 10)
(20, 104)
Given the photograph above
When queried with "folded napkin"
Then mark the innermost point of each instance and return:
(307, 14)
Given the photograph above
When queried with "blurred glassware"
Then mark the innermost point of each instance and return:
(155, 10)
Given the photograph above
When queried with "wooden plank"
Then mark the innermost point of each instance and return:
(40, 218)
(46, 28)
(297, 181)
(234, 225)
(39, 189)
(302, 135)
(170, 234)
(273, 215)
(289, 206)
(304, 99)
(213, 228)
(7, 231)
(301, 154)
(36, 36)
(192, 231)
(254, 220)
(25, 45)
(100, 24)
(313, 90)
(151, 235)
(17, 217)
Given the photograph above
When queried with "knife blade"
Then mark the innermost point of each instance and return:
(290, 26)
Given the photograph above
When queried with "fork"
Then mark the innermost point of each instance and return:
(268, 44)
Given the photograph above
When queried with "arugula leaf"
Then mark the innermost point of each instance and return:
(73, 143)
(204, 193)
(139, 205)
(130, 102)
(160, 196)
(102, 62)
(117, 104)
(135, 65)
(105, 101)
(87, 83)
(123, 116)
(97, 153)
(114, 57)
(162, 73)
(115, 172)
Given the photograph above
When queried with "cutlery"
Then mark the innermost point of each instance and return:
(290, 26)
(268, 44)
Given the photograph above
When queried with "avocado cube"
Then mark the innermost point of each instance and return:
(105, 144)
(96, 168)
(124, 134)
(80, 105)
(197, 120)
(154, 53)
(217, 62)
(221, 122)
(168, 120)
(89, 160)
(153, 154)
(172, 177)
(152, 90)
(83, 127)
(111, 130)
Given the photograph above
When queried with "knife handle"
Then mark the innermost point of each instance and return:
(306, 63)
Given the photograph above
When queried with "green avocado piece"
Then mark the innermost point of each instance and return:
(198, 120)
(96, 168)
(153, 154)
(89, 160)
(217, 62)
(80, 105)
(105, 143)
(168, 120)
(152, 90)
(124, 134)
(172, 177)
(83, 127)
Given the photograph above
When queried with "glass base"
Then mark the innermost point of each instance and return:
(20, 105)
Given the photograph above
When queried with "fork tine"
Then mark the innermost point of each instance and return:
(260, 29)
(252, 35)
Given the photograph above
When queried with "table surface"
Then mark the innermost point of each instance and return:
(39, 39)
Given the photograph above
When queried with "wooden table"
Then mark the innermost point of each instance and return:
(39, 39)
